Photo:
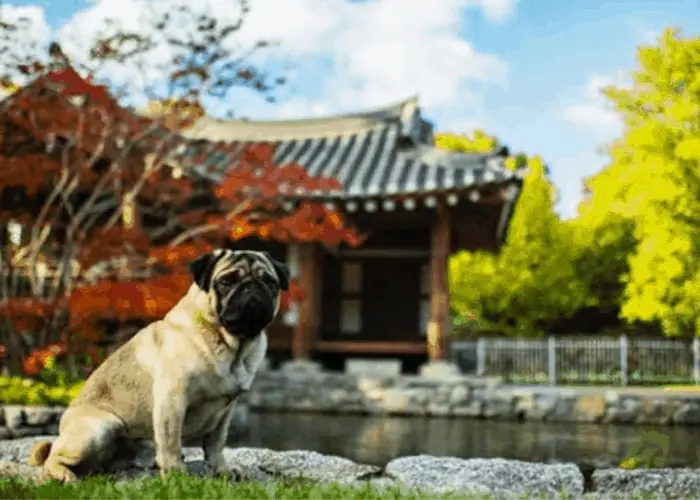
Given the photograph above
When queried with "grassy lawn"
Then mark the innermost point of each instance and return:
(682, 388)
(192, 487)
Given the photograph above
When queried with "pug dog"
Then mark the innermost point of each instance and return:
(178, 378)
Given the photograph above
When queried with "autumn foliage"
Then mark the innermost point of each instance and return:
(108, 227)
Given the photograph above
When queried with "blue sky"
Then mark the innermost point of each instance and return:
(553, 51)
(524, 70)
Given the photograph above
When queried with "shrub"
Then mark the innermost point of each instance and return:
(17, 390)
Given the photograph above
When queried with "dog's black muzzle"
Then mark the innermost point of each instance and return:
(249, 310)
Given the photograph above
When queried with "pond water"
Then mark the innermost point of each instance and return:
(377, 440)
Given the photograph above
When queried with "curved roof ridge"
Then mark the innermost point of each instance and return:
(214, 129)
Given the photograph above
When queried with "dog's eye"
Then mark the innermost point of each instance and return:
(227, 280)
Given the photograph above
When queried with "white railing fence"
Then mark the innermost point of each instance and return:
(604, 360)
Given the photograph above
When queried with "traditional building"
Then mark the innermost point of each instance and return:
(417, 204)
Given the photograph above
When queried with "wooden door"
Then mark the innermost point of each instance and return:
(390, 298)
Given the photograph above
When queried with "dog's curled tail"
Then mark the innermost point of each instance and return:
(40, 452)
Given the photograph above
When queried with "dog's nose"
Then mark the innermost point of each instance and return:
(249, 308)
(256, 307)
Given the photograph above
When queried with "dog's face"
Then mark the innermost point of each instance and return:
(244, 288)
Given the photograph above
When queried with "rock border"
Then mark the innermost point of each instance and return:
(498, 477)
(467, 396)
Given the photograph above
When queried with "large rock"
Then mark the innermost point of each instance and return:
(302, 365)
(439, 370)
(478, 476)
(623, 409)
(688, 413)
(245, 463)
(37, 416)
(300, 464)
(656, 483)
(14, 416)
(13, 469)
(17, 450)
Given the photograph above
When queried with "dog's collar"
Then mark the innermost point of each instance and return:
(199, 317)
(210, 325)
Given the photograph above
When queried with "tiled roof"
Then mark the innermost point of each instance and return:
(379, 153)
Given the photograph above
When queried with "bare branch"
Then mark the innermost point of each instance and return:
(207, 228)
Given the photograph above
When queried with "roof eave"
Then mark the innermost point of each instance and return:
(343, 196)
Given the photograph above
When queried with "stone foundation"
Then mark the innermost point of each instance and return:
(465, 396)
(18, 421)
(305, 390)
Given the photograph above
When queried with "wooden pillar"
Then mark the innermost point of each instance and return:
(439, 323)
(308, 320)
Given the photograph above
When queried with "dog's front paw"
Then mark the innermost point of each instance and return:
(164, 471)
(171, 465)
(59, 473)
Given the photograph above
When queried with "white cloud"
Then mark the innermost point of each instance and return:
(568, 173)
(385, 50)
(355, 55)
(497, 10)
(593, 112)
(31, 28)
(106, 18)
(465, 125)
(591, 115)
(644, 33)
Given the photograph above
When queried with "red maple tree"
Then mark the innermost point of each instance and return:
(108, 222)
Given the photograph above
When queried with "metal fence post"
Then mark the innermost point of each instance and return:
(552, 359)
(623, 359)
(696, 360)
(480, 357)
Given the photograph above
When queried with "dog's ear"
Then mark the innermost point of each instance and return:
(282, 271)
(202, 269)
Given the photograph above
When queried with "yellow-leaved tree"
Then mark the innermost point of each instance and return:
(532, 281)
(651, 188)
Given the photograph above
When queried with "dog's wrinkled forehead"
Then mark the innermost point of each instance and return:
(221, 262)
(242, 262)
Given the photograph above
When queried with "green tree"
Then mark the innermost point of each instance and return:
(531, 281)
(652, 186)
(600, 249)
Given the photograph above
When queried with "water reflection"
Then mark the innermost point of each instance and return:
(377, 440)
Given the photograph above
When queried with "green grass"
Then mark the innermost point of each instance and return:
(180, 486)
(185, 487)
